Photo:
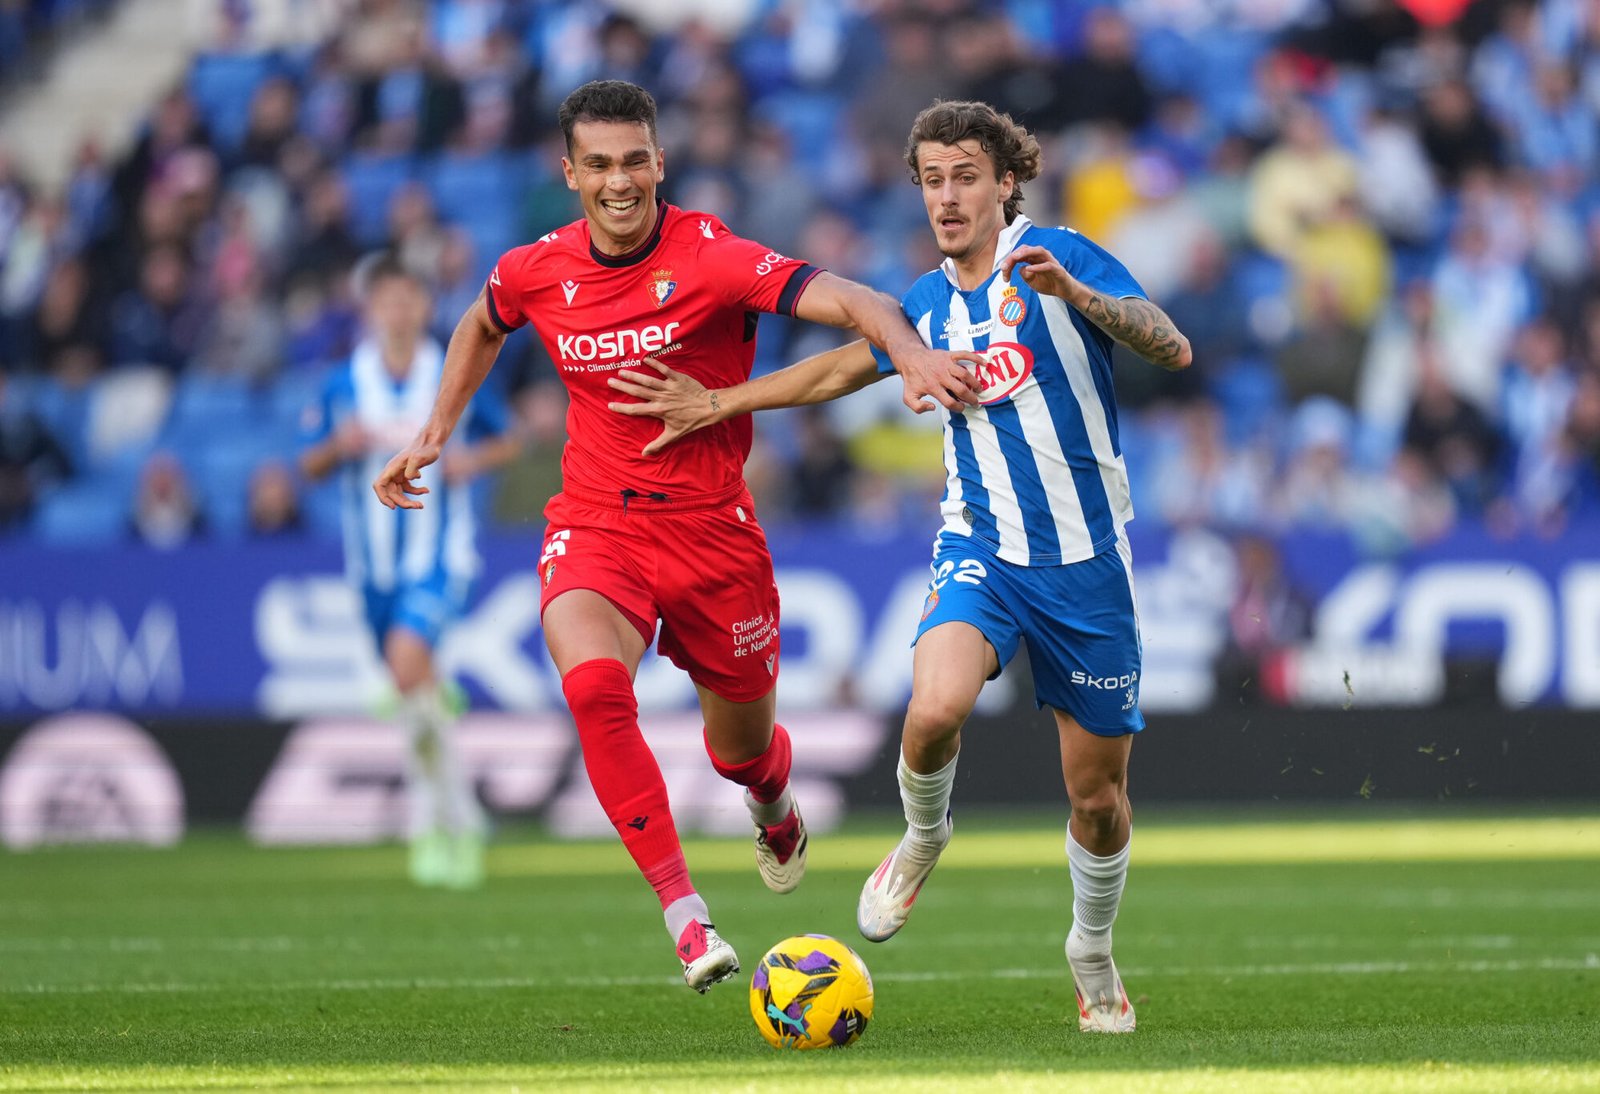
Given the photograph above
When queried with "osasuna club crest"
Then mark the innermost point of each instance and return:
(661, 286)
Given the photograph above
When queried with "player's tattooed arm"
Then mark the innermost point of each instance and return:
(1139, 325)
(1131, 320)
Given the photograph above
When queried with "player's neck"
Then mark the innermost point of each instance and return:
(608, 244)
(398, 353)
(974, 267)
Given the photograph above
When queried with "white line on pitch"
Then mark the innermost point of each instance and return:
(1588, 963)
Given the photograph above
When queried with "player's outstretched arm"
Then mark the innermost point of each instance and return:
(1131, 320)
(347, 442)
(471, 354)
(684, 405)
(928, 374)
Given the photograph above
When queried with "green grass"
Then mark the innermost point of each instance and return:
(1391, 954)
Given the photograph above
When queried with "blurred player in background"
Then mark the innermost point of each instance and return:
(1033, 544)
(635, 540)
(414, 570)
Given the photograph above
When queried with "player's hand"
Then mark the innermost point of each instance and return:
(397, 486)
(940, 376)
(351, 440)
(681, 402)
(1042, 271)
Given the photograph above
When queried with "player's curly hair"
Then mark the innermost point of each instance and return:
(607, 101)
(1009, 145)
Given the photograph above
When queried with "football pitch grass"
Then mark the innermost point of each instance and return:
(1460, 953)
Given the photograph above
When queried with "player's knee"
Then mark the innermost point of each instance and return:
(936, 717)
(1098, 805)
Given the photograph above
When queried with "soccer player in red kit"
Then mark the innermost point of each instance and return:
(634, 540)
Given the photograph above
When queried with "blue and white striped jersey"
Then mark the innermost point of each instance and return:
(383, 548)
(1036, 471)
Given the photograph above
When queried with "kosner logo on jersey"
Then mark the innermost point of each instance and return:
(628, 342)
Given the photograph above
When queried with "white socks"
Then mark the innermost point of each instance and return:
(926, 800)
(767, 814)
(440, 795)
(1096, 891)
(684, 910)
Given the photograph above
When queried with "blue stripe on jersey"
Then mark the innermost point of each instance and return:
(974, 493)
(1026, 482)
(1073, 435)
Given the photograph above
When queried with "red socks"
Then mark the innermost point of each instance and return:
(625, 775)
(766, 775)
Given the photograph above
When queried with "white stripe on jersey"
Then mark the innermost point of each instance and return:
(379, 549)
(1055, 474)
(992, 465)
(1075, 362)
(420, 555)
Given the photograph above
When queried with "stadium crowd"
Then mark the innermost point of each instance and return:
(1379, 225)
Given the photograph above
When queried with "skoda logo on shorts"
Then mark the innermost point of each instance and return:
(1006, 367)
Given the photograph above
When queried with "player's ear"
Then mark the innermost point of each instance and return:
(661, 165)
(572, 177)
(1008, 186)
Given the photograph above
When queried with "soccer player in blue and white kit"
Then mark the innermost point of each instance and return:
(1033, 546)
(413, 569)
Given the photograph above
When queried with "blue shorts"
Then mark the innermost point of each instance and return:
(425, 608)
(1079, 620)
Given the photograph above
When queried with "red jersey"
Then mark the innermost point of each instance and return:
(689, 296)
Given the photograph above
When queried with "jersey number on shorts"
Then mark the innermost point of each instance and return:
(557, 545)
(969, 572)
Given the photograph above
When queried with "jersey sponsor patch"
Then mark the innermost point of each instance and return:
(1006, 367)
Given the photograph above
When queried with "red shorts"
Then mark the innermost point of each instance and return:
(704, 573)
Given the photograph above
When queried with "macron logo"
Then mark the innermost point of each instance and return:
(571, 290)
(705, 229)
(494, 278)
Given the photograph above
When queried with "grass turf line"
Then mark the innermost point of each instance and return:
(292, 969)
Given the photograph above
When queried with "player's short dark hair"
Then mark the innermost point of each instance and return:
(1009, 145)
(607, 101)
(381, 266)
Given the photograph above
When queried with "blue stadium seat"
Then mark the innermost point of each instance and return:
(293, 394)
(222, 480)
(90, 513)
(371, 182)
(65, 412)
(1250, 394)
(1259, 275)
(206, 408)
(222, 85)
(811, 119)
(481, 194)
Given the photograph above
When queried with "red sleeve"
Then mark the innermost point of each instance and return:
(505, 290)
(752, 274)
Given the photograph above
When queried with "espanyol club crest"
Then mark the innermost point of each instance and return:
(1013, 309)
(1006, 367)
(661, 286)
